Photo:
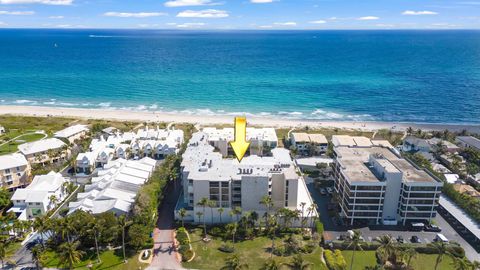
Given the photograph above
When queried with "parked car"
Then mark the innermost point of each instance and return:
(440, 238)
(329, 190)
(323, 191)
(415, 239)
(432, 228)
(417, 226)
(400, 239)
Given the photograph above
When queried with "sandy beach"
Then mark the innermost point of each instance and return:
(145, 116)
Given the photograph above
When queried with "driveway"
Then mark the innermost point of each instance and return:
(165, 257)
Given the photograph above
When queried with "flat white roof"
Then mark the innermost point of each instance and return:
(12, 161)
(70, 131)
(40, 146)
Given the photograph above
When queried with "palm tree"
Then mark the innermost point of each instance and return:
(220, 212)
(211, 205)
(354, 243)
(386, 247)
(203, 203)
(65, 226)
(268, 202)
(3, 252)
(302, 204)
(182, 213)
(461, 263)
(311, 210)
(237, 211)
(41, 225)
(270, 264)
(441, 249)
(124, 223)
(233, 263)
(409, 130)
(409, 254)
(231, 230)
(94, 229)
(298, 263)
(36, 253)
(69, 254)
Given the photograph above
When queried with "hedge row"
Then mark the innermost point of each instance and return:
(335, 260)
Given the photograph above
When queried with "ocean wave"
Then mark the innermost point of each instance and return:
(317, 114)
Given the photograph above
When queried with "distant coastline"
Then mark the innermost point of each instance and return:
(144, 116)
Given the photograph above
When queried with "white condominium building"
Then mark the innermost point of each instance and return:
(44, 151)
(206, 173)
(14, 171)
(72, 133)
(262, 140)
(115, 187)
(309, 144)
(375, 185)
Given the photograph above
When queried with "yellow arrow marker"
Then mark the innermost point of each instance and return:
(240, 144)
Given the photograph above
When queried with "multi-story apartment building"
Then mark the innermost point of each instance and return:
(45, 151)
(72, 133)
(14, 171)
(262, 140)
(309, 144)
(376, 185)
(206, 173)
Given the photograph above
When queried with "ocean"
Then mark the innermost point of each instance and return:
(401, 76)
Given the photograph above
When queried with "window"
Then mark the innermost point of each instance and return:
(9, 177)
(18, 169)
(7, 171)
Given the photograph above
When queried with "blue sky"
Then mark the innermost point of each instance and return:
(241, 14)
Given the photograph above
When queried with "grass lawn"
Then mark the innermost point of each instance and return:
(13, 146)
(254, 252)
(422, 261)
(111, 260)
(12, 248)
(361, 260)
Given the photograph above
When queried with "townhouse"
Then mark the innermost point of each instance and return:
(14, 171)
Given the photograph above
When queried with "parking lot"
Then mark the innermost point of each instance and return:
(369, 233)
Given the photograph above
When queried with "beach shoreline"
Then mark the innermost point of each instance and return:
(204, 120)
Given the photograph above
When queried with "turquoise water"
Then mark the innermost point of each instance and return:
(409, 76)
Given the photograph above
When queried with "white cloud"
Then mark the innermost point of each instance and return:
(206, 13)
(185, 3)
(261, 1)
(423, 12)
(286, 23)
(56, 17)
(368, 18)
(44, 2)
(133, 15)
(318, 22)
(3, 12)
(171, 23)
(385, 25)
(190, 25)
(265, 26)
(3, 24)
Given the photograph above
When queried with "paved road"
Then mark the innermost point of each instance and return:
(164, 255)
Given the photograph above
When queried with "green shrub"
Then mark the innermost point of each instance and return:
(226, 248)
(319, 227)
(187, 255)
(335, 260)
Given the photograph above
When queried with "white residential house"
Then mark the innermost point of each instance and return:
(446, 145)
(309, 144)
(414, 144)
(115, 187)
(41, 196)
(14, 171)
(206, 173)
(44, 151)
(2, 130)
(72, 133)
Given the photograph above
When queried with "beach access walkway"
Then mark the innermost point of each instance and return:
(165, 256)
